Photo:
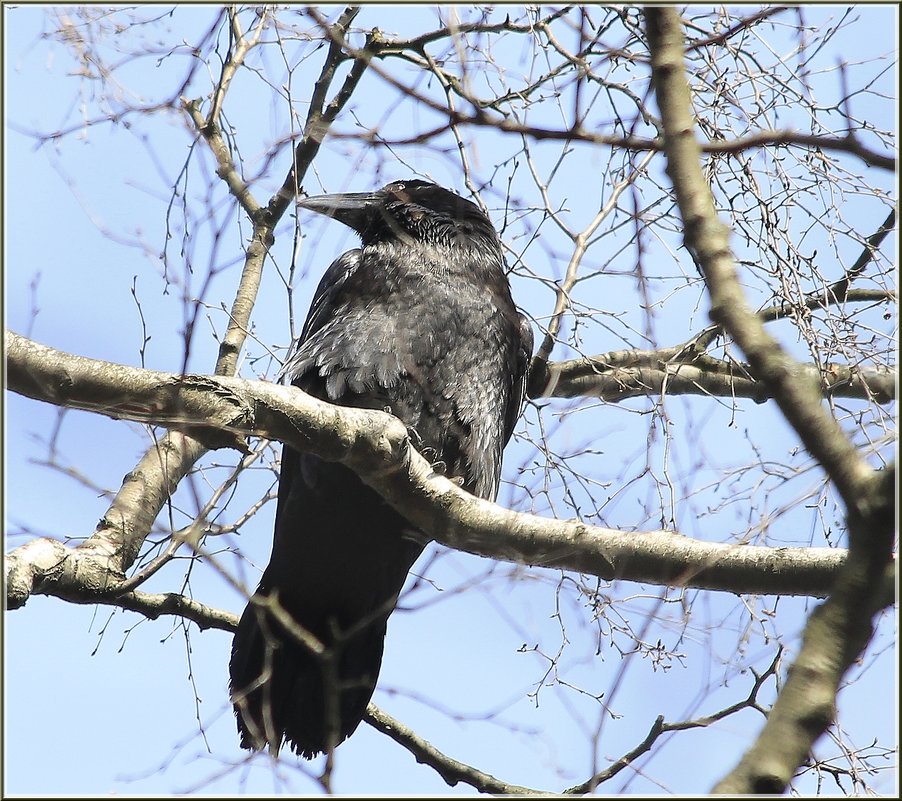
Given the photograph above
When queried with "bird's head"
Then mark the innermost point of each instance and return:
(405, 210)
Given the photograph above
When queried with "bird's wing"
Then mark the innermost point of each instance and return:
(322, 307)
(520, 377)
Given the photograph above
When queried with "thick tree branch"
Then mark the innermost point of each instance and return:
(619, 375)
(376, 445)
(706, 238)
(837, 632)
(841, 628)
(154, 605)
(687, 370)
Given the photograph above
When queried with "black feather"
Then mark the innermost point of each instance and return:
(419, 321)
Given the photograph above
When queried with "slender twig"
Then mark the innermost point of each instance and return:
(580, 245)
(839, 290)
(660, 727)
(242, 45)
(321, 114)
(225, 164)
(741, 25)
(451, 770)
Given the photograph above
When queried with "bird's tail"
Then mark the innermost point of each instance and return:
(283, 690)
(307, 652)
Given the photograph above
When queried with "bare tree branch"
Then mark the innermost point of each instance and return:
(706, 239)
(322, 114)
(743, 24)
(789, 138)
(580, 243)
(225, 165)
(451, 770)
(660, 727)
(839, 629)
(241, 45)
(154, 605)
(625, 374)
(575, 133)
(840, 290)
(376, 445)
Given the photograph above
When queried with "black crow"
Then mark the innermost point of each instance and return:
(419, 321)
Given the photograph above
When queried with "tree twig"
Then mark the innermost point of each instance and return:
(451, 770)
(580, 245)
(660, 727)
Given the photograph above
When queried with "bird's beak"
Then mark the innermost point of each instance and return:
(352, 209)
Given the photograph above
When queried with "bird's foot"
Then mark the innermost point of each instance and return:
(440, 468)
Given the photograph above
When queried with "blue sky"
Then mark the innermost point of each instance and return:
(105, 702)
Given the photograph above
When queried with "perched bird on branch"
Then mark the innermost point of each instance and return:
(418, 321)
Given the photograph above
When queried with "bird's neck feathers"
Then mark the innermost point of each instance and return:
(441, 255)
